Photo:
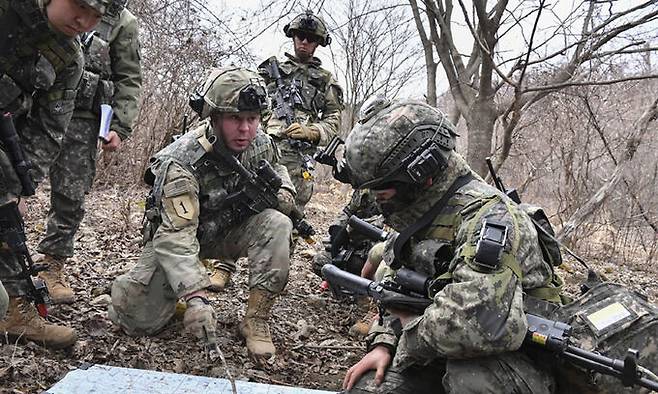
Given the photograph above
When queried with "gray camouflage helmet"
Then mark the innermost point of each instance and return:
(309, 23)
(398, 142)
(99, 5)
(231, 90)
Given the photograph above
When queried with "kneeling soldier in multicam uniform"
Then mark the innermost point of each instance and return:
(192, 217)
(479, 246)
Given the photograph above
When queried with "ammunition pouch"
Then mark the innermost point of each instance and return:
(610, 319)
(93, 91)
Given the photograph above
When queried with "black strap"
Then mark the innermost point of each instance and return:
(426, 219)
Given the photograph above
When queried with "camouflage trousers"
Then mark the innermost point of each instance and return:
(4, 301)
(505, 373)
(144, 300)
(10, 270)
(71, 177)
(293, 159)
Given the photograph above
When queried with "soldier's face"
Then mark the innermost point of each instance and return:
(236, 130)
(72, 17)
(305, 45)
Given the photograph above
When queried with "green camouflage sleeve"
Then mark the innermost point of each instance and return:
(126, 73)
(175, 243)
(481, 311)
(329, 124)
(49, 118)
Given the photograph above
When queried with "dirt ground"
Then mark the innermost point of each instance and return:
(310, 329)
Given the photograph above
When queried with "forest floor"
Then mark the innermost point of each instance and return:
(310, 329)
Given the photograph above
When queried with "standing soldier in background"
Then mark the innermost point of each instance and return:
(112, 76)
(316, 111)
(40, 68)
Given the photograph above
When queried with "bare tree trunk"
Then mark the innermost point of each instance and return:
(591, 205)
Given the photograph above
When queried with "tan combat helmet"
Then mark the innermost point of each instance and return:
(231, 90)
(309, 23)
(404, 141)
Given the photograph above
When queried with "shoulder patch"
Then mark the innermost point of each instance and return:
(183, 206)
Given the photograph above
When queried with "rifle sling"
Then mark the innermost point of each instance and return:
(426, 219)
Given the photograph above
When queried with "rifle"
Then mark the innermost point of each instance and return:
(12, 231)
(548, 334)
(259, 191)
(9, 139)
(12, 227)
(327, 156)
(285, 99)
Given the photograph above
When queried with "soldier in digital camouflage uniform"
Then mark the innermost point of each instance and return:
(478, 242)
(189, 220)
(40, 69)
(316, 117)
(112, 76)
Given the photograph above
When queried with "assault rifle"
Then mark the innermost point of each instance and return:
(258, 192)
(553, 336)
(327, 155)
(285, 99)
(12, 231)
(9, 139)
(12, 227)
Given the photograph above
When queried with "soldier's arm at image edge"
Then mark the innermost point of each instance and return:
(175, 243)
(329, 125)
(126, 74)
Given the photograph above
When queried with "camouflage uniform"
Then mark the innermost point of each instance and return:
(112, 76)
(39, 72)
(321, 103)
(468, 339)
(193, 187)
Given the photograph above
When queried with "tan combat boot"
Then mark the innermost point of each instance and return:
(361, 328)
(59, 290)
(219, 278)
(254, 328)
(23, 322)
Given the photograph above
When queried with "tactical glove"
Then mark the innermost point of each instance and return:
(199, 320)
(302, 132)
(286, 201)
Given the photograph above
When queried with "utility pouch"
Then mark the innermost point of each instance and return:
(609, 319)
(87, 90)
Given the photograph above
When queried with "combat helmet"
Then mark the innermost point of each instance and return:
(397, 142)
(99, 5)
(310, 23)
(230, 90)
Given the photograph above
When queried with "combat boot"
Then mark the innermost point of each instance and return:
(59, 290)
(254, 328)
(219, 278)
(361, 328)
(23, 322)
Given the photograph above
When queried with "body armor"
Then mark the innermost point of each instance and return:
(31, 55)
(96, 87)
(216, 180)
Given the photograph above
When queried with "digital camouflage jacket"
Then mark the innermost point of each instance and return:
(39, 72)
(480, 311)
